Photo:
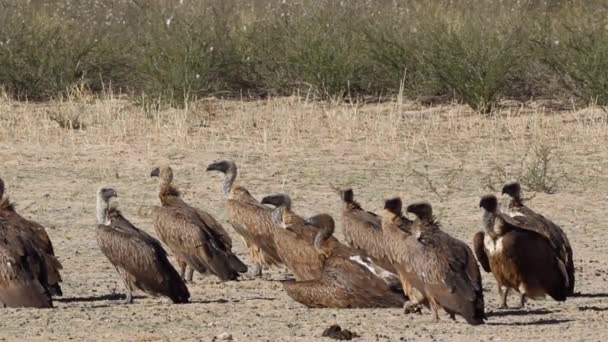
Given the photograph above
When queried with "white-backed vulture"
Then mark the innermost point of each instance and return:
(447, 268)
(294, 239)
(191, 234)
(23, 281)
(520, 259)
(363, 230)
(528, 219)
(38, 236)
(139, 258)
(400, 245)
(346, 279)
(249, 218)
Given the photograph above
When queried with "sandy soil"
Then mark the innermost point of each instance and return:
(446, 155)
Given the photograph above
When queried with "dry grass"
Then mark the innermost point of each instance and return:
(442, 154)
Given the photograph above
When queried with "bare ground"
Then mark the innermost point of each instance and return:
(446, 155)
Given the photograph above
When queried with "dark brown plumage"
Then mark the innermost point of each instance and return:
(346, 281)
(520, 259)
(249, 218)
(139, 258)
(23, 279)
(527, 218)
(363, 230)
(191, 234)
(38, 236)
(447, 268)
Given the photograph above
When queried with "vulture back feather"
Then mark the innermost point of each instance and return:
(37, 234)
(527, 218)
(23, 280)
(363, 229)
(193, 238)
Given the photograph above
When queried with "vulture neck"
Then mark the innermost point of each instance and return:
(5, 204)
(102, 210)
(488, 219)
(229, 181)
(167, 190)
(323, 234)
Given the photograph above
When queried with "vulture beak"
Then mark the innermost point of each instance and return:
(155, 172)
(114, 193)
(269, 200)
(222, 166)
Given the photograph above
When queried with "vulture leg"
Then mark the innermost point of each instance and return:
(125, 279)
(410, 308)
(257, 270)
(522, 301)
(434, 309)
(503, 294)
(182, 269)
(190, 274)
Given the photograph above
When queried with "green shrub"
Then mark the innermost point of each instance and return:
(472, 52)
(316, 48)
(576, 49)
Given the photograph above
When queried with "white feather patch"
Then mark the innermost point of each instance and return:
(492, 246)
(375, 269)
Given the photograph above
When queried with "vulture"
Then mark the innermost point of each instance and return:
(251, 219)
(38, 236)
(519, 258)
(23, 278)
(447, 268)
(346, 280)
(527, 218)
(139, 258)
(363, 230)
(434, 268)
(196, 239)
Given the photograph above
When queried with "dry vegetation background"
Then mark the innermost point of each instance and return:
(302, 95)
(448, 155)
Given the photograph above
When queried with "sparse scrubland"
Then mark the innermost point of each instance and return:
(382, 96)
(165, 52)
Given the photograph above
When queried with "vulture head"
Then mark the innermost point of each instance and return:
(104, 194)
(278, 200)
(323, 221)
(223, 166)
(422, 210)
(489, 203)
(327, 226)
(227, 167)
(393, 206)
(512, 189)
(164, 172)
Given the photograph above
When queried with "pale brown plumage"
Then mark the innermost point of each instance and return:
(400, 244)
(138, 257)
(38, 236)
(346, 280)
(249, 218)
(519, 259)
(447, 268)
(527, 218)
(363, 230)
(23, 281)
(192, 235)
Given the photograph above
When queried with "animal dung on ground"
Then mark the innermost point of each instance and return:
(337, 333)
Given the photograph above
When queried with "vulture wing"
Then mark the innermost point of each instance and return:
(142, 257)
(480, 251)
(193, 242)
(20, 283)
(344, 284)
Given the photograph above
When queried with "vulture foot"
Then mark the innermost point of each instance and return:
(410, 308)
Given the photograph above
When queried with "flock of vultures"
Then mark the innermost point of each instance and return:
(388, 260)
